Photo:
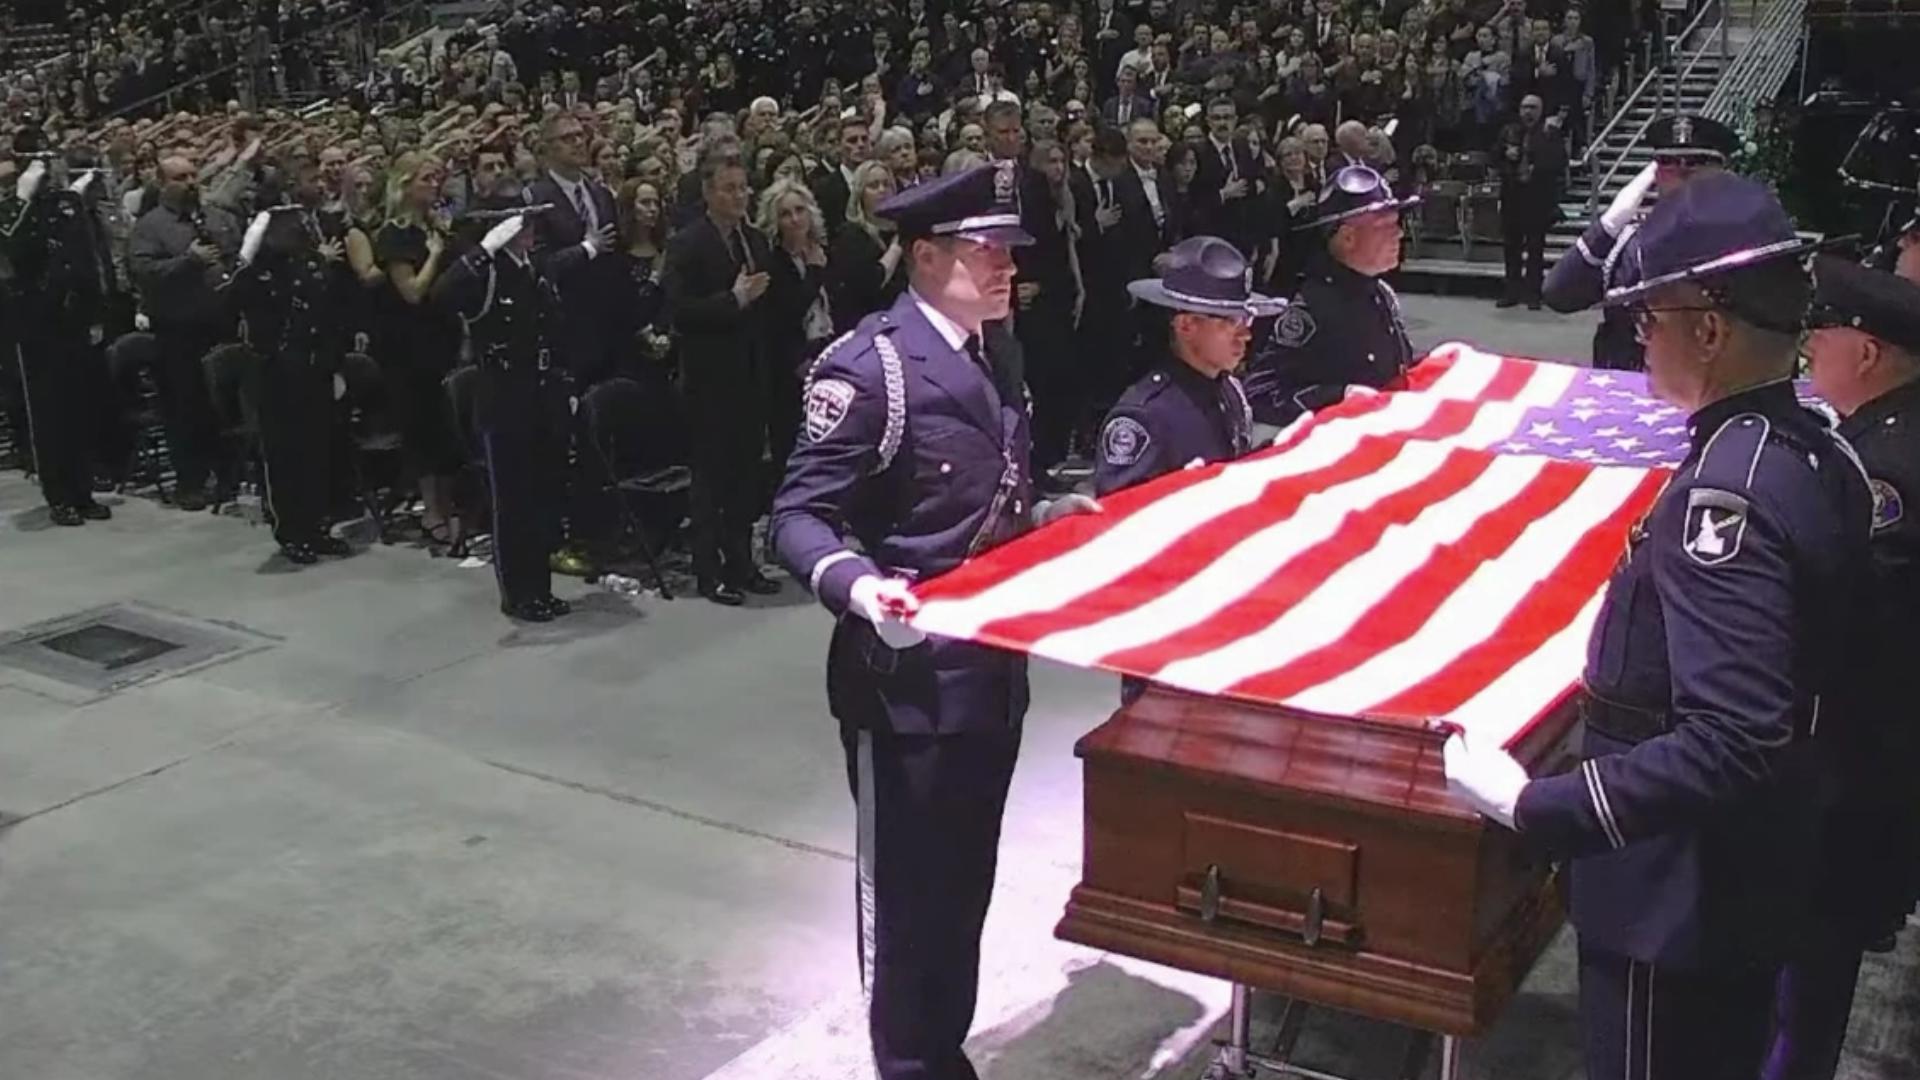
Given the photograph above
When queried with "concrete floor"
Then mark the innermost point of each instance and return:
(408, 840)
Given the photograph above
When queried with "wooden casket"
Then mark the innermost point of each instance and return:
(1317, 857)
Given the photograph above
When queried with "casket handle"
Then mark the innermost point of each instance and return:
(1210, 894)
(1316, 916)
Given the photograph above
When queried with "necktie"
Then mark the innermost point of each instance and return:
(972, 347)
(1226, 160)
(1126, 110)
(583, 206)
(1106, 194)
(742, 255)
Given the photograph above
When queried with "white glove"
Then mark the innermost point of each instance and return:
(339, 386)
(1486, 776)
(80, 186)
(1358, 392)
(1627, 203)
(886, 603)
(498, 236)
(1052, 510)
(256, 235)
(29, 181)
(141, 322)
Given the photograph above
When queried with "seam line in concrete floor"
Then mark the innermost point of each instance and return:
(116, 785)
(671, 811)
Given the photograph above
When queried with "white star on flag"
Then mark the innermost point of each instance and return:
(1651, 418)
(1627, 443)
(1583, 415)
(1608, 432)
(1542, 429)
(1601, 380)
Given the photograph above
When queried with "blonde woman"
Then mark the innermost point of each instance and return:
(418, 340)
(863, 269)
(799, 320)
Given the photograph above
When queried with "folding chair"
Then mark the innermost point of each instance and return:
(619, 415)
(232, 373)
(130, 361)
(374, 439)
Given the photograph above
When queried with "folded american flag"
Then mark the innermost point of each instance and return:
(1435, 552)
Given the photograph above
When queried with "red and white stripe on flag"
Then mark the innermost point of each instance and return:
(1407, 555)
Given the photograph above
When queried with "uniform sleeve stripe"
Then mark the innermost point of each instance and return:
(1597, 792)
(826, 563)
(1586, 254)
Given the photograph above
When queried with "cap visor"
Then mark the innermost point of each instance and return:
(1725, 264)
(1254, 306)
(1359, 211)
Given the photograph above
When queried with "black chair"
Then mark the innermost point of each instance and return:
(623, 428)
(232, 373)
(130, 363)
(462, 386)
(374, 442)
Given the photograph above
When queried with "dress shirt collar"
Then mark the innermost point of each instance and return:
(953, 332)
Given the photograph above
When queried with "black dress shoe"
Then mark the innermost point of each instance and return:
(760, 584)
(527, 611)
(1533, 305)
(721, 593)
(555, 606)
(190, 500)
(66, 515)
(325, 544)
(299, 553)
(93, 511)
(1507, 302)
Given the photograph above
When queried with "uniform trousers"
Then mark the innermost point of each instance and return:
(929, 809)
(296, 435)
(60, 418)
(1814, 998)
(193, 435)
(525, 435)
(729, 434)
(1646, 1022)
(13, 396)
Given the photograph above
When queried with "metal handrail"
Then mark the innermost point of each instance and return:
(1653, 72)
(1763, 65)
(1678, 80)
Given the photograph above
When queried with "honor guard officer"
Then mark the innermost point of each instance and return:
(1683, 147)
(1343, 328)
(522, 401)
(1188, 410)
(1865, 360)
(61, 273)
(291, 285)
(1900, 253)
(915, 456)
(1694, 823)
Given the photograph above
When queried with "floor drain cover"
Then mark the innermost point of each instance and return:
(107, 649)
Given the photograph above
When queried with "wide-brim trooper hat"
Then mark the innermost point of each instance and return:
(1351, 192)
(981, 204)
(1207, 276)
(1710, 226)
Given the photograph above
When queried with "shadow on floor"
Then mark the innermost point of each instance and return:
(1106, 1023)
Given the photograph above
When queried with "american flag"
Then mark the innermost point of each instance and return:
(1434, 552)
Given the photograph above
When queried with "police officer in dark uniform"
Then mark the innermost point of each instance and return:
(292, 287)
(1343, 328)
(1683, 146)
(914, 455)
(512, 312)
(1899, 253)
(1719, 669)
(62, 273)
(1865, 362)
(1188, 410)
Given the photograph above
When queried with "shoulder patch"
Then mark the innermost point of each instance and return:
(1888, 506)
(1295, 327)
(1123, 440)
(827, 403)
(1715, 524)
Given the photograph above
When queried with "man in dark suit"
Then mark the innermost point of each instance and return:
(833, 183)
(1227, 184)
(1106, 324)
(1544, 70)
(1127, 101)
(715, 278)
(1532, 160)
(569, 244)
(1111, 34)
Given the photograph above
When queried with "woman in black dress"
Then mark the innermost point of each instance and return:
(1312, 96)
(643, 230)
(418, 340)
(1290, 198)
(864, 271)
(798, 321)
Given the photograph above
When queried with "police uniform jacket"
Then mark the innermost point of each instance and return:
(1875, 838)
(61, 271)
(1715, 673)
(512, 311)
(1341, 329)
(912, 457)
(1168, 420)
(1578, 281)
(291, 298)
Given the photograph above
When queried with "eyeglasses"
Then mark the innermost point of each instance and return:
(1643, 317)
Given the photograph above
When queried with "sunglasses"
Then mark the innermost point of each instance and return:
(1643, 318)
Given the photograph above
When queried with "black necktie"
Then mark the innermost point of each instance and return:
(972, 348)
(1126, 110)
(742, 255)
(1106, 194)
(1226, 159)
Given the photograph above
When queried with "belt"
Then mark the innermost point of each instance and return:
(1622, 723)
